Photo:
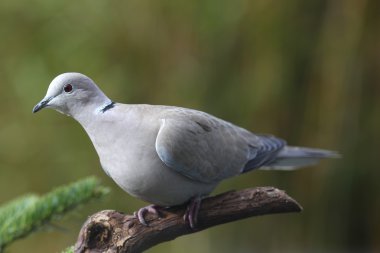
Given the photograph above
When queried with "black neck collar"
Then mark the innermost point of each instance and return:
(108, 107)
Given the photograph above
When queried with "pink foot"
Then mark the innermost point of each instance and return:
(140, 215)
(192, 211)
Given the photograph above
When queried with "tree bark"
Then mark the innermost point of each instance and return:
(112, 231)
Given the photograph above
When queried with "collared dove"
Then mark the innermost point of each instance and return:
(168, 155)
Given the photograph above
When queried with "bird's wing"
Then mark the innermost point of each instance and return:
(207, 149)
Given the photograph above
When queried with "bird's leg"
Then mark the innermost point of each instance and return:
(140, 215)
(191, 214)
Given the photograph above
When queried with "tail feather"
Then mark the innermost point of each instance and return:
(291, 158)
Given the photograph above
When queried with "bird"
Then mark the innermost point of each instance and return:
(168, 155)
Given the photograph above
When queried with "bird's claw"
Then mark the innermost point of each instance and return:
(190, 216)
(140, 214)
(192, 210)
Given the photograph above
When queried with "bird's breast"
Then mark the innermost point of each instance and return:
(128, 155)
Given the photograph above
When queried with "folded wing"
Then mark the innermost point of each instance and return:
(207, 149)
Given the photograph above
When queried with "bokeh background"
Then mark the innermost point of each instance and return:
(307, 71)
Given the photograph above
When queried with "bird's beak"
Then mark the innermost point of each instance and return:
(44, 102)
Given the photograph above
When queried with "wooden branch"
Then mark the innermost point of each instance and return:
(112, 231)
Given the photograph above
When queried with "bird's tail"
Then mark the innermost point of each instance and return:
(291, 158)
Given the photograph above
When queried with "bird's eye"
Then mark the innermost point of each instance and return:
(68, 88)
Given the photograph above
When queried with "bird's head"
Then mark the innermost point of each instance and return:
(71, 93)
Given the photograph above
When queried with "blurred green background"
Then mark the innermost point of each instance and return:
(307, 71)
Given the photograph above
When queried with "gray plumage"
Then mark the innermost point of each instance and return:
(163, 154)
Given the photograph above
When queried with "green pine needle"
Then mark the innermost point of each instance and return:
(16, 206)
(69, 250)
(23, 215)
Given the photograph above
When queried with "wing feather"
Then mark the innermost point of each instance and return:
(207, 149)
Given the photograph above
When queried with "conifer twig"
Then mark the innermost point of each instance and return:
(22, 216)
